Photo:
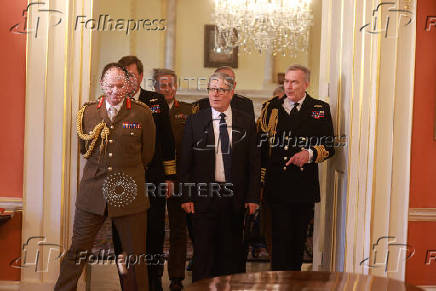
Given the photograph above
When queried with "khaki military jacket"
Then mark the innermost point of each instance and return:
(113, 176)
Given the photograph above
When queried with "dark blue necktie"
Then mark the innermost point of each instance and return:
(226, 149)
(294, 112)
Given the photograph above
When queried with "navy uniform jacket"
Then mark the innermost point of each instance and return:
(178, 115)
(163, 165)
(280, 139)
(238, 102)
(129, 147)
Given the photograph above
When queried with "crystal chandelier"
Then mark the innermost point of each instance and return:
(277, 26)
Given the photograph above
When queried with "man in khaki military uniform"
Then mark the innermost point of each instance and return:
(117, 136)
(166, 84)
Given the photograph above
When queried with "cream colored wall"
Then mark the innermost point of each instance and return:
(149, 44)
(314, 49)
(109, 46)
(311, 57)
(191, 16)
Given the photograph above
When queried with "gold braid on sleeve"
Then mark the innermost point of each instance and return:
(100, 129)
(268, 125)
(321, 153)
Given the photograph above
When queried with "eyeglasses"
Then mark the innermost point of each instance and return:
(220, 91)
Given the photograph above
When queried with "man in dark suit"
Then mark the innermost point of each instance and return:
(162, 168)
(220, 156)
(166, 84)
(296, 135)
(117, 137)
(238, 102)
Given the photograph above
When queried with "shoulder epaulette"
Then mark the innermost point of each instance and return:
(90, 103)
(140, 103)
(269, 101)
(195, 107)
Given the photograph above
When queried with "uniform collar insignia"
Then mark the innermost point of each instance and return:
(100, 102)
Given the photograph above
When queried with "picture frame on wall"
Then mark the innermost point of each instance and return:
(280, 78)
(214, 58)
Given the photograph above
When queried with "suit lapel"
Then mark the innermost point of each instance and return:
(237, 132)
(210, 141)
(206, 141)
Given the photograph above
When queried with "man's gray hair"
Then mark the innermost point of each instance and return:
(224, 68)
(162, 72)
(302, 68)
(229, 81)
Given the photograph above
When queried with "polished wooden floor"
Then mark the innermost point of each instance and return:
(105, 277)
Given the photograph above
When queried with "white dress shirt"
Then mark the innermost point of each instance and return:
(219, 164)
(288, 105)
(117, 107)
(170, 105)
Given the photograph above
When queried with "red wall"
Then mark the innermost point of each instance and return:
(10, 246)
(12, 95)
(422, 235)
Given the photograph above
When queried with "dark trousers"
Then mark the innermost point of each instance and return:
(266, 225)
(289, 231)
(156, 236)
(178, 239)
(131, 231)
(217, 240)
